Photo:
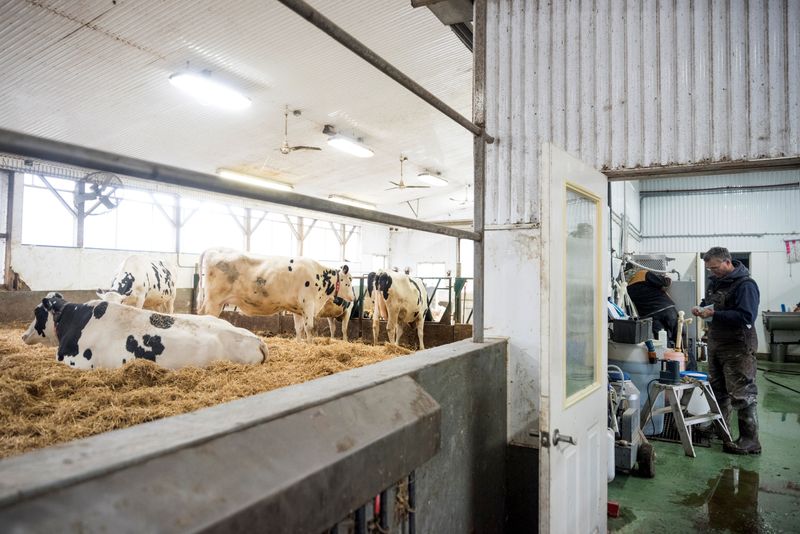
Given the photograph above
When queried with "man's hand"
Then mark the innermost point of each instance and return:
(703, 313)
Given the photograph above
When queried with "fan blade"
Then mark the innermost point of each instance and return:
(397, 185)
(389, 189)
(107, 202)
(417, 186)
(303, 147)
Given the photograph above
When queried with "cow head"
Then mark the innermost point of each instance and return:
(344, 283)
(109, 295)
(42, 329)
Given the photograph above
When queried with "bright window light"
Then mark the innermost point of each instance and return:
(431, 178)
(253, 180)
(351, 202)
(208, 91)
(351, 146)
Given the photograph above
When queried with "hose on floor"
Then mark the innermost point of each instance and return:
(778, 372)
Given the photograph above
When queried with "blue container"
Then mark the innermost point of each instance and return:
(633, 361)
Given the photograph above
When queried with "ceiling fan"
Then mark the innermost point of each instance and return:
(401, 184)
(285, 148)
(466, 200)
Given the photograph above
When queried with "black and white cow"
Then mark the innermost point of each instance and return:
(333, 309)
(400, 299)
(143, 282)
(41, 330)
(263, 285)
(107, 335)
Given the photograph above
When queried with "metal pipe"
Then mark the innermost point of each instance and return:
(49, 150)
(357, 47)
(479, 162)
(9, 224)
(719, 167)
(723, 189)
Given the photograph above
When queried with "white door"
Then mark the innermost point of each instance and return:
(572, 423)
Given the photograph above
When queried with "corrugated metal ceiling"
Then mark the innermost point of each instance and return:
(95, 73)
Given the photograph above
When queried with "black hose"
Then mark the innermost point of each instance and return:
(652, 407)
(768, 379)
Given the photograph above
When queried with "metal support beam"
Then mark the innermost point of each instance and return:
(357, 47)
(49, 150)
(719, 167)
(479, 162)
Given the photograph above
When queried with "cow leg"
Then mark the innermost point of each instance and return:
(420, 329)
(170, 306)
(299, 326)
(345, 323)
(376, 325)
(210, 307)
(400, 328)
(391, 326)
(139, 302)
(332, 326)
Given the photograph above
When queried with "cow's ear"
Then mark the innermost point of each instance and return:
(58, 295)
(48, 305)
(345, 269)
(101, 292)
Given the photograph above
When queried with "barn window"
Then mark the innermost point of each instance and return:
(139, 222)
(272, 236)
(46, 216)
(209, 224)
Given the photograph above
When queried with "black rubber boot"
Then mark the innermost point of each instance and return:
(748, 433)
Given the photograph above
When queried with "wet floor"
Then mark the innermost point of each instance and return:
(719, 492)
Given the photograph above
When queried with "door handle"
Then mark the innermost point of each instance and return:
(559, 437)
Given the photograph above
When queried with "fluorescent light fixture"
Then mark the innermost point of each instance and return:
(351, 202)
(208, 91)
(253, 180)
(350, 145)
(432, 178)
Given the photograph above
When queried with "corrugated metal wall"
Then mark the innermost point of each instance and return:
(629, 83)
(748, 212)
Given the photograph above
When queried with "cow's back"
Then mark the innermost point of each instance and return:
(260, 285)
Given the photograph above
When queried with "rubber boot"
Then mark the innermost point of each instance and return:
(748, 433)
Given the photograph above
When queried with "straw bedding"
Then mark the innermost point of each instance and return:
(44, 402)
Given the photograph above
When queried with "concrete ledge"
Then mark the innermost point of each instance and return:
(466, 379)
(321, 459)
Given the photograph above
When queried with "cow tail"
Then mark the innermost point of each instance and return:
(200, 292)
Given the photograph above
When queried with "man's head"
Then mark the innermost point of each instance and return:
(718, 260)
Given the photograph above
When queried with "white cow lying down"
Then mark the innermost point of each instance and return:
(107, 335)
(263, 285)
(143, 282)
(400, 299)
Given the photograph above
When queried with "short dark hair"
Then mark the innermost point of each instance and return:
(720, 253)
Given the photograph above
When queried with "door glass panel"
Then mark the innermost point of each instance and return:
(581, 291)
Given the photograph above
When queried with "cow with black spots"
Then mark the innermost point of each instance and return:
(107, 335)
(264, 285)
(400, 299)
(143, 282)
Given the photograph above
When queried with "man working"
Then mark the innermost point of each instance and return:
(731, 306)
(647, 291)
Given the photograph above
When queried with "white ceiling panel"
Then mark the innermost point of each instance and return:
(95, 73)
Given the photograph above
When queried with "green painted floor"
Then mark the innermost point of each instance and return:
(719, 492)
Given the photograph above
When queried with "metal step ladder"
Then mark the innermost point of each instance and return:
(678, 407)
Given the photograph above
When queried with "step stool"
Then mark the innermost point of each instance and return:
(678, 407)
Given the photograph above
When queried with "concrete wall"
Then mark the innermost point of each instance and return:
(460, 489)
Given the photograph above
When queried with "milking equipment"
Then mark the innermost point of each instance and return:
(632, 452)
